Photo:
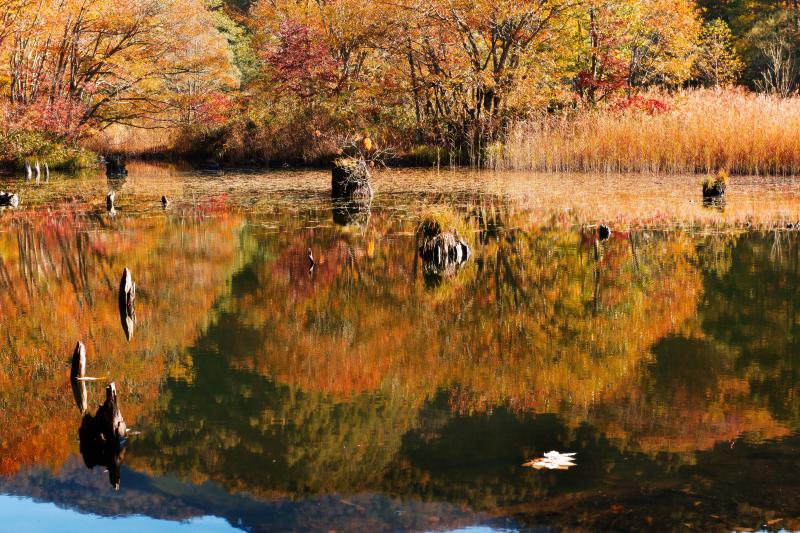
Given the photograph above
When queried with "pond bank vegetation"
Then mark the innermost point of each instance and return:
(606, 85)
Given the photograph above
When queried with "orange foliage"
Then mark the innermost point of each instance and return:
(59, 273)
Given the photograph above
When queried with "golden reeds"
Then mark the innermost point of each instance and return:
(701, 131)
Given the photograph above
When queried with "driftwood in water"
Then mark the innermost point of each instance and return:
(115, 166)
(110, 201)
(8, 199)
(127, 295)
(350, 179)
(103, 437)
(78, 362)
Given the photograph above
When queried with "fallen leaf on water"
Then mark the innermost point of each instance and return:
(552, 460)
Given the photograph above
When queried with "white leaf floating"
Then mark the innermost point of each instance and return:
(553, 460)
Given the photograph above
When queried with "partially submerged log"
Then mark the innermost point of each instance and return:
(103, 437)
(127, 295)
(8, 199)
(115, 166)
(350, 179)
(78, 362)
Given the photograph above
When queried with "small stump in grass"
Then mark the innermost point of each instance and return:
(442, 250)
(350, 179)
(715, 186)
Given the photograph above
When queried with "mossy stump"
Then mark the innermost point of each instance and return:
(715, 186)
(442, 251)
(350, 179)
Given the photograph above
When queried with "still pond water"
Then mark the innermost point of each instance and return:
(372, 393)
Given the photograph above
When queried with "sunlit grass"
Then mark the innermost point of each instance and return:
(702, 131)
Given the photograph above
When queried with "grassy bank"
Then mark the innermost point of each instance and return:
(693, 131)
(17, 148)
(698, 131)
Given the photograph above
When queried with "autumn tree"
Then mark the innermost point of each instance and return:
(100, 62)
(467, 61)
(717, 63)
(636, 44)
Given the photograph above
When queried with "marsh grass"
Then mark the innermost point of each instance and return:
(133, 142)
(701, 131)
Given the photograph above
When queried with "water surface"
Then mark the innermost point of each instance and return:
(372, 393)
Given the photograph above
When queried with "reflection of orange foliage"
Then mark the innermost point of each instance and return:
(59, 274)
(563, 334)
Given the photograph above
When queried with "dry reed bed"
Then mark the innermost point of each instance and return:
(702, 131)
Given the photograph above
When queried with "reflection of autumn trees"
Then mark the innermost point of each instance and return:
(754, 313)
(359, 376)
(59, 272)
(313, 379)
(731, 374)
(535, 321)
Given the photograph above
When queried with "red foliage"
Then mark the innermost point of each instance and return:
(610, 73)
(213, 108)
(60, 115)
(641, 104)
(301, 62)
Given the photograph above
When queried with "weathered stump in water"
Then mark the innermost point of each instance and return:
(127, 295)
(350, 179)
(8, 199)
(110, 201)
(714, 189)
(603, 232)
(442, 252)
(78, 362)
(164, 201)
(716, 185)
(103, 437)
(115, 166)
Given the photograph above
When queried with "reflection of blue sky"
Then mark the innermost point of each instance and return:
(24, 514)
